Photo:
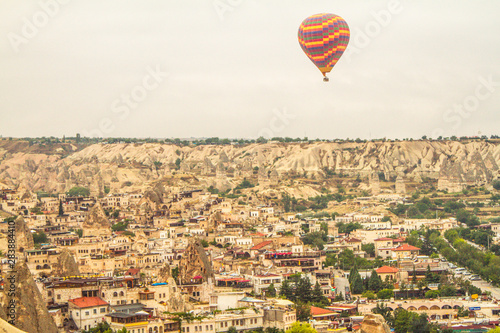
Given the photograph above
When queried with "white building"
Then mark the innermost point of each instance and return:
(87, 312)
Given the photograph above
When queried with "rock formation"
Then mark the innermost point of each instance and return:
(24, 238)
(96, 223)
(195, 264)
(374, 323)
(66, 265)
(400, 185)
(5, 327)
(455, 164)
(375, 183)
(31, 313)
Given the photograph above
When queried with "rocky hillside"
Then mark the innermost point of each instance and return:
(120, 165)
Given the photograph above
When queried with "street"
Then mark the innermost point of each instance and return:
(485, 286)
(341, 283)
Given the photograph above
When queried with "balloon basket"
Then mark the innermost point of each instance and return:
(325, 79)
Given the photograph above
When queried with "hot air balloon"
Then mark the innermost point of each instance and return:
(324, 37)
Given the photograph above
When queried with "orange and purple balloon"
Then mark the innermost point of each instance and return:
(324, 38)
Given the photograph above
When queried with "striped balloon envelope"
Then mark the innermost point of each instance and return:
(324, 38)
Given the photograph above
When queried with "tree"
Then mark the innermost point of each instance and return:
(375, 282)
(317, 295)
(403, 288)
(385, 294)
(369, 248)
(428, 275)
(384, 311)
(339, 297)
(496, 186)
(403, 320)
(61, 210)
(357, 286)
(232, 329)
(175, 273)
(271, 291)
(387, 283)
(271, 330)
(432, 294)
(420, 323)
(303, 311)
(79, 191)
(369, 294)
(39, 237)
(301, 328)
(286, 290)
(178, 163)
(186, 316)
(120, 226)
(303, 289)
(102, 327)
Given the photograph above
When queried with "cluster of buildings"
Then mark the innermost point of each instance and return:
(136, 259)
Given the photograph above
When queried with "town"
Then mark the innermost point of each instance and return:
(244, 255)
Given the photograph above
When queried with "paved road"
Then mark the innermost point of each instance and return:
(474, 245)
(340, 282)
(495, 292)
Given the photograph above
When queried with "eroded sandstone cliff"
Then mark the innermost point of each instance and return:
(119, 166)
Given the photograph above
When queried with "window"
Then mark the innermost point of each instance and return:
(87, 313)
(211, 327)
(103, 310)
(196, 328)
(59, 296)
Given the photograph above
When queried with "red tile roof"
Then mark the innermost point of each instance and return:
(353, 240)
(384, 239)
(132, 271)
(386, 270)
(88, 302)
(320, 311)
(406, 247)
(261, 245)
(257, 234)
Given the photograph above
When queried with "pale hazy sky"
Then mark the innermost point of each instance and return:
(235, 69)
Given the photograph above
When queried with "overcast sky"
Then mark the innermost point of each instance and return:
(235, 69)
